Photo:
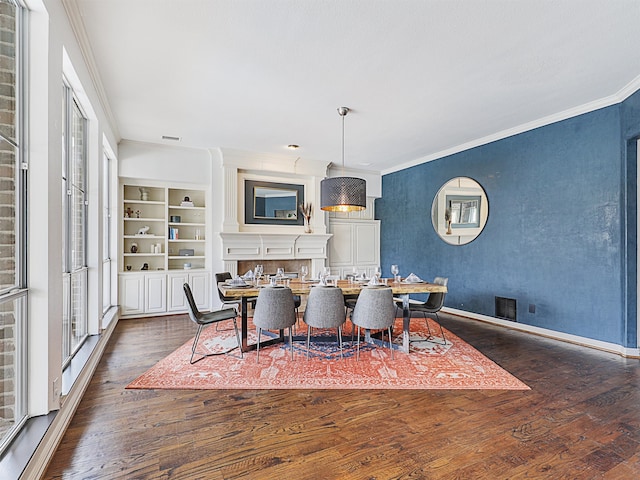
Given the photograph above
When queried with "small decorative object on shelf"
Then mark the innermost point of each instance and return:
(173, 233)
(144, 230)
(134, 247)
(128, 267)
(306, 210)
(144, 194)
(145, 266)
(187, 202)
(128, 213)
(447, 219)
(138, 213)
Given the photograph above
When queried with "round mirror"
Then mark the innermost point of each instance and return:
(459, 211)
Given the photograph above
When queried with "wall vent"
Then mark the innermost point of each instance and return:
(506, 308)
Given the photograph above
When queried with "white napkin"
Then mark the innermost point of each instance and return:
(248, 275)
(238, 281)
(413, 278)
(373, 281)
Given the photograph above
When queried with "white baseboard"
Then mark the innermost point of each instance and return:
(544, 332)
(42, 456)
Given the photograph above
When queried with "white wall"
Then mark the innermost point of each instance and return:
(164, 163)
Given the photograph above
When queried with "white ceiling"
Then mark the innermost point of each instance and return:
(422, 77)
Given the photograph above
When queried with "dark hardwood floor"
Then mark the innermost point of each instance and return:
(580, 420)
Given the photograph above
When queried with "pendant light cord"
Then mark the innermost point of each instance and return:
(343, 113)
(343, 144)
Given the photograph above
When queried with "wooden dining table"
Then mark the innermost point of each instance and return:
(298, 287)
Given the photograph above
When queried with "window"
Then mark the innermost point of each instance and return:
(75, 274)
(13, 293)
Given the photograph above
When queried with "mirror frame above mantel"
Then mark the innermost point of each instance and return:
(286, 197)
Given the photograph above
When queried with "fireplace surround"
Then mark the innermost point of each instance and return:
(245, 245)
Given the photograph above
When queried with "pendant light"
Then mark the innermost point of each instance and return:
(343, 194)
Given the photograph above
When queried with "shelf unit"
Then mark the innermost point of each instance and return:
(163, 212)
(138, 214)
(190, 229)
(157, 288)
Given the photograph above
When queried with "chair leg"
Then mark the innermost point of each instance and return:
(390, 343)
(340, 340)
(291, 340)
(444, 340)
(258, 346)
(308, 337)
(195, 343)
(358, 345)
(235, 327)
(426, 321)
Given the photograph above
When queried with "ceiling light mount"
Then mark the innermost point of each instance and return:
(343, 194)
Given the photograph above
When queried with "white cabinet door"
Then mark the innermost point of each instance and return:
(131, 294)
(155, 294)
(341, 244)
(177, 301)
(199, 283)
(355, 244)
(366, 240)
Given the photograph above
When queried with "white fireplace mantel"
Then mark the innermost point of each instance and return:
(273, 246)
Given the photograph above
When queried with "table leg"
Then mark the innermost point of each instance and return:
(406, 320)
(245, 346)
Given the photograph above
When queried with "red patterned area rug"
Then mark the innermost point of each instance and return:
(431, 364)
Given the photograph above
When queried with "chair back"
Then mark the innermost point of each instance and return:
(275, 309)
(223, 277)
(325, 308)
(194, 313)
(436, 300)
(374, 309)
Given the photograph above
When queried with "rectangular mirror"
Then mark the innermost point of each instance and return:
(270, 203)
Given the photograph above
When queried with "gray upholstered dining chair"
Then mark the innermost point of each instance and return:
(325, 309)
(204, 319)
(432, 306)
(374, 310)
(275, 310)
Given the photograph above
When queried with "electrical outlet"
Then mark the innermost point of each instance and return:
(56, 388)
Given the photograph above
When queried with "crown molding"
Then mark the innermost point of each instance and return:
(77, 25)
(617, 97)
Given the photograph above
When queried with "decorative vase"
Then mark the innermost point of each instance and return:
(307, 226)
(449, 227)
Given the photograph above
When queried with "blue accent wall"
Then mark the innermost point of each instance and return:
(561, 232)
